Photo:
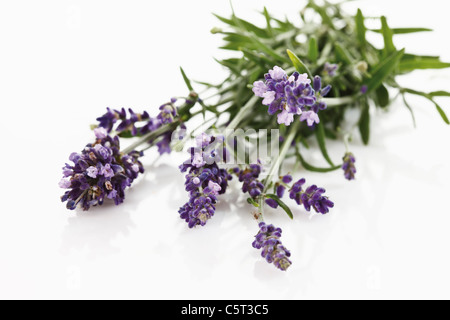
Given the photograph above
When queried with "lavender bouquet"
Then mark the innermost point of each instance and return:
(278, 89)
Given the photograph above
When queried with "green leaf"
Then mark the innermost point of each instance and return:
(422, 64)
(313, 53)
(364, 122)
(268, 20)
(382, 96)
(388, 36)
(384, 70)
(322, 10)
(440, 94)
(404, 30)
(253, 202)
(310, 167)
(342, 55)
(320, 135)
(281, 204)
(441, 112)
(298, 64)
(360, 28)
(186, 80)
(430, 96)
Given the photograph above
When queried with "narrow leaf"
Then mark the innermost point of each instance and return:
(384, 70)
(382, 96)
(310, 167)
(388, 35)
(298, 64)
(313, 53)
(361, 28)
(422, 64)
(342, 55)
(186, 80)
(253, 202)
(441, 112)
(281, 204)
(404, 30)
(439, 94)
(320, 135)
(364, 123)
(268, 20)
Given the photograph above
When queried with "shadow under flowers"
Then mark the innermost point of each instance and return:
(96, 230)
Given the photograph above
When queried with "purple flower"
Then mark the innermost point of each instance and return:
(107, 171)
(249, 178)
(313, 198)
(198, 160)
(349, 166)
(277, 73)
(133, 124)
(296, 191)
(272, 203)
(291, 96)
(280, 191)
(259, 89)
(287, 179)
(203, 140)
(330, 69)
(285, 118)
(204, 182)
(364, 89)
(310, 117)
(92, 172)
(100, 133)
(214, 188)
(167, 114)
(99, 172)
(268, 239)
(65, 184)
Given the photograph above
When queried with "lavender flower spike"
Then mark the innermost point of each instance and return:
(349, 166)
(100, 172)
(204, 182)
(268, 239)
(290, 96)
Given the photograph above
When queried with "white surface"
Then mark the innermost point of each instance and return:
(63, 62)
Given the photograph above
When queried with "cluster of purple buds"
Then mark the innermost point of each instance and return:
(268, 239)
(312, 197)
(249, 178)
(291, 96)
(99, 172)
(136, 124)
(204, 181)
(349, 166)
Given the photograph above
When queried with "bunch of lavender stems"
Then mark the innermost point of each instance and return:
(276, 81)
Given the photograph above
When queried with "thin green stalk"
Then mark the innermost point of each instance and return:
(242, 113)
(286, 146)
(145, 138)
(336, 102)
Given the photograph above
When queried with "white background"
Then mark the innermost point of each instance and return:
(63, 62)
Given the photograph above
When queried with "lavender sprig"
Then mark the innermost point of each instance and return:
(99, 172)
(349, 166)
(204, 181)
(292, 95)
(268, 239)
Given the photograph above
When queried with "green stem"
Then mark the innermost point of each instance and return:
(284, 150)
(242, 113)
(145, 138)
(336, 102)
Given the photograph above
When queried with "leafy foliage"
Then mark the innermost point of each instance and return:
(332, 36)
